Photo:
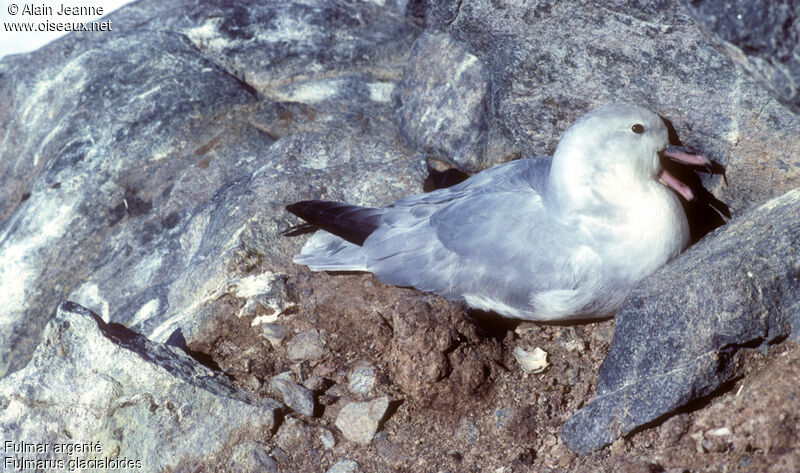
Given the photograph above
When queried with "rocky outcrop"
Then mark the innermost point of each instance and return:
(763, 38)
(175, 147)
(445, 114)
(144, 173)
(550, 61)
(136, 404)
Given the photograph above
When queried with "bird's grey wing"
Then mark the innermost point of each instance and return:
(502, 211)
(408, 223)
(528, 173)
(497, 225)
(490, 233)
(398, 239)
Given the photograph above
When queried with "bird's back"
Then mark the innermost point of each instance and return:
(489, 241)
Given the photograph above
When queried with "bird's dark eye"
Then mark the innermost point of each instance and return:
(638, 129)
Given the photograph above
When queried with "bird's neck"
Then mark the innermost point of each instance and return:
(571, 185)
(613, 191)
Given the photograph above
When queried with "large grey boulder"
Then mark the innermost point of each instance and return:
(679, 334)
(761, 37)
(90, 382)
(445, 114)
(141, 168)
(550, 61)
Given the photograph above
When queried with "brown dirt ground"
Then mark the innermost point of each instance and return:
(461, 403)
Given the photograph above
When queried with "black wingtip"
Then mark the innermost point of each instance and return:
(350, 222)
(296, 207)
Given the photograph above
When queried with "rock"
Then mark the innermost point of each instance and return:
(680, 334)
(317, 384)
(298, 398)
(359, 421)
(326, 438)
(549, 62)
(343, 466)
(431, 359)
(251, 456)
(362, 379)
(761, 37)
(95, 382)
(148, 185)
(274, 333)
(441, 101)
(468, 431)
(292, 435)
(306, 345)
(266, 294)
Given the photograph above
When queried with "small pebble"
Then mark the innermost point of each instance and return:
(292, 435)
(298, 398)
(528, 329)
(274, 333)
(343, 466)
(362, 379)
(359, 421)
(327, 438)
(251, 456)
(306, 345)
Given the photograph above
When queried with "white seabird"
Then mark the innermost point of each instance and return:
(534, 239)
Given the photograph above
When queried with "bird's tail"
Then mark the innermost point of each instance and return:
(326, 252)
(345, 227)
(350, 222)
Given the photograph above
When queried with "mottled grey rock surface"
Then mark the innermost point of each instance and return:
(168, 159)
(92, 382)
(445, 114)
(762, 37)
(550, 61)
(143, 174)
(679, 334)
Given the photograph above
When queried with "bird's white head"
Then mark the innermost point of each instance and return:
(610, 146)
